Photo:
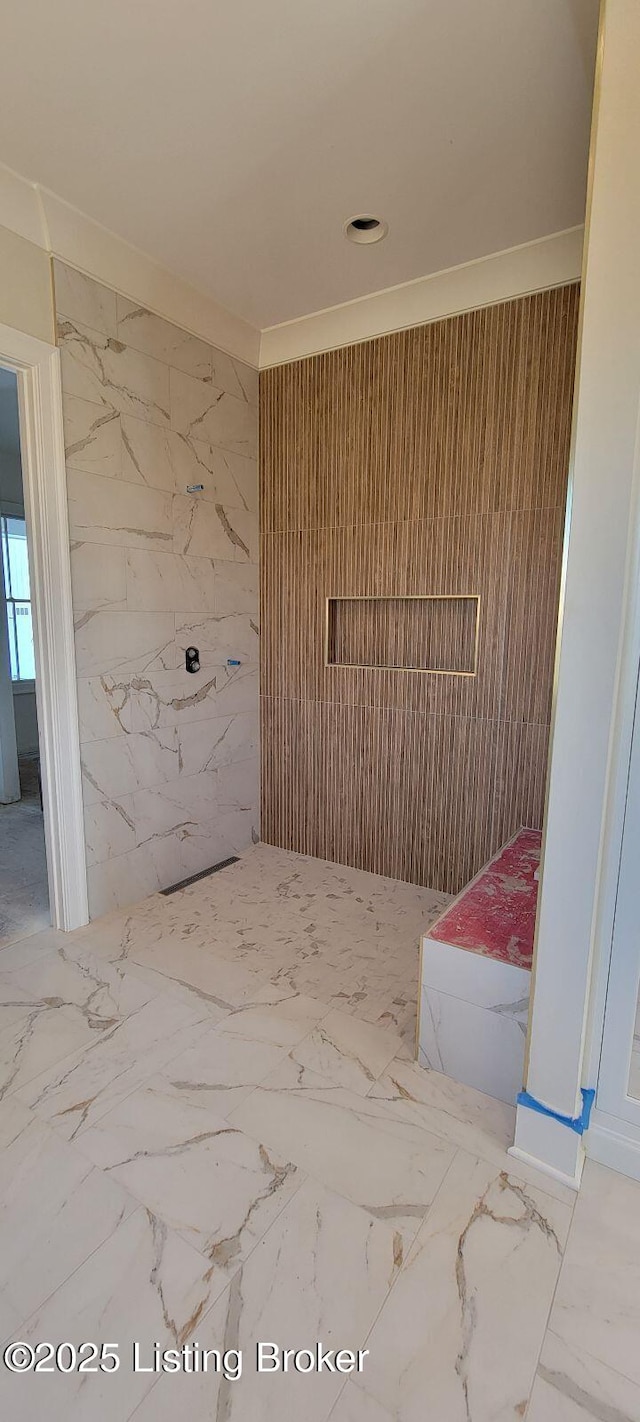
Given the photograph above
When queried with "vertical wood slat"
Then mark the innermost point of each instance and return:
(430, 462)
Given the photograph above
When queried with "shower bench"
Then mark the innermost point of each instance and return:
(475, 971)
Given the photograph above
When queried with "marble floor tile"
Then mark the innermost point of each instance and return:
(597, 1305)
(320, 1241)
(351, 1144)
(222, 1069)
(284, 1022)
(213, 1126)
(78, 1091)
(24, 951)
(13, 1001)
(206, 1179)
(144, 1283)
(460, 1334)
(39, 1037)
(350, 1052)
(479, 1124)
(572, 1386)
(354, 1405)
(104, 994)
(55, 1209)
(221, 981)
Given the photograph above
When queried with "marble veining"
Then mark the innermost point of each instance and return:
(150, 410)
(212, 1131)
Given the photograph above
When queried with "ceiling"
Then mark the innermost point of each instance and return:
(230, 139)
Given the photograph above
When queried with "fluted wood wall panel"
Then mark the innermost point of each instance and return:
(432, 462)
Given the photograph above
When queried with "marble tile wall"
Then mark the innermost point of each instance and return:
(169, 759)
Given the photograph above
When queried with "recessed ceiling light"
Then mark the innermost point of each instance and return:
(365, 228)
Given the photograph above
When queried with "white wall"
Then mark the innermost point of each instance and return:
(597, 551)
(26, 299)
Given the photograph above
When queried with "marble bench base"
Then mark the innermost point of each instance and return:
(473, 1019)
(475, 975)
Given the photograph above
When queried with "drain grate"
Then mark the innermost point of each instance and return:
(204, 874)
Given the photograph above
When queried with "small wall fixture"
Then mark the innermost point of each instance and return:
(365, 229)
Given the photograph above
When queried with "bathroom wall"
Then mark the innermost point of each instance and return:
(430, 462)
(169, 759)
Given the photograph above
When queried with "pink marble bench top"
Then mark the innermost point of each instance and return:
(495, 915)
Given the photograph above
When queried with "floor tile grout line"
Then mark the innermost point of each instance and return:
(136, 1208)
(405, 1261)
(545, 1330)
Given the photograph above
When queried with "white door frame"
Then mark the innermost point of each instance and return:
(37, 366)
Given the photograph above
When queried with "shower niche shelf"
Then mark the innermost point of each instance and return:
(435, 633)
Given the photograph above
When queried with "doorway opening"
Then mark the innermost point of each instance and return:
(43, 875)
(24, 886)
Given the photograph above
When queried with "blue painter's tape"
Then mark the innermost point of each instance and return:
(579, 1124)
(233, 662)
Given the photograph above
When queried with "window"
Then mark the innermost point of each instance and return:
(15, 567)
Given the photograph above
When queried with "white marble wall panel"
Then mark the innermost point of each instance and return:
(110, 767)
(82, 299)
(235, 479)
(109, 828)
(158, 582)
(169, 759)
(101, 369)
(474, 1045)
(144, 331)
(476, 978)
(232, 635)
(473, 1018)
(234, 377)
(202, 410)
(223, 740)
(98, 577)
(237, 589)
(92, 437)
(124, 643)
(163, 699)
(128, 515)
(208, 530)
(104, 707)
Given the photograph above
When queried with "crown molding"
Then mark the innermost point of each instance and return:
(35, 213)
(534, 266)
(41, 217)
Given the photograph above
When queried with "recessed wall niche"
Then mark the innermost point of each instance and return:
(427, 634)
